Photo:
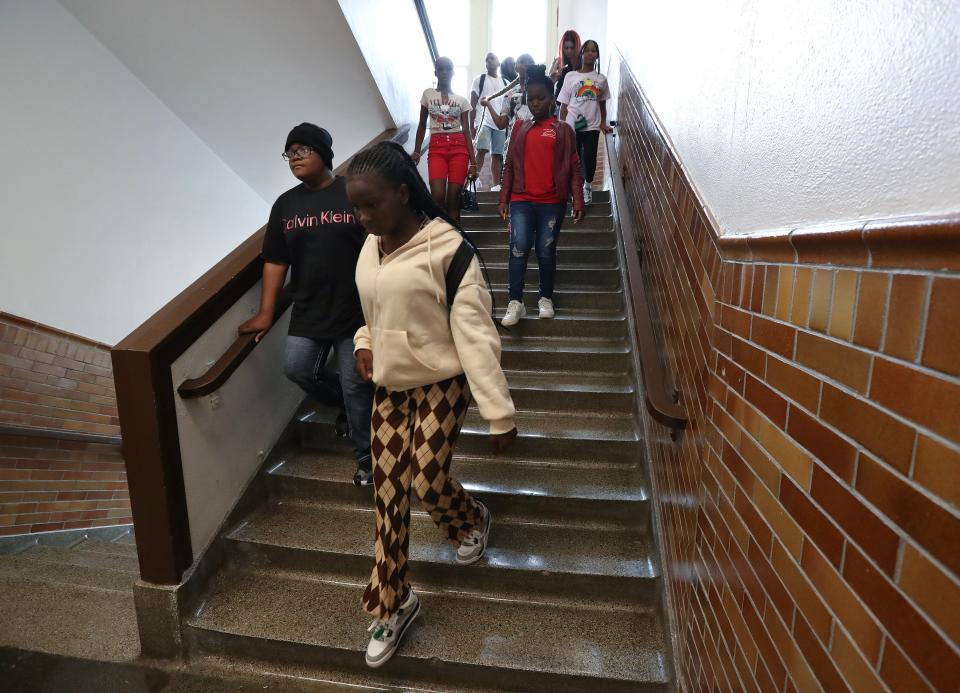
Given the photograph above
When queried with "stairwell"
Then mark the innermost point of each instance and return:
(568, 595)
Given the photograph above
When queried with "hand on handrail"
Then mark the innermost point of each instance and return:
(258, 324)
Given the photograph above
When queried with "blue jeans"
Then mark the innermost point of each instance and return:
(305, 362)
(534, 222)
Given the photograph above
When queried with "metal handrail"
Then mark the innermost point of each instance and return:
(659, 400)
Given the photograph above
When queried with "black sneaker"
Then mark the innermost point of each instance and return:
(363, 477)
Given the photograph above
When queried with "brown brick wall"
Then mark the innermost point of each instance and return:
(50, 379)
(48, 484)
(53, 380)
(810, 512)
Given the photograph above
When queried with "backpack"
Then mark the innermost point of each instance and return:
(458, 267)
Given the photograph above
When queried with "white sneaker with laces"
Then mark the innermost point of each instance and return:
(495, 188)
(515, 311)
(387, 634)
(587, 194)
(473, 546)
(546, 308)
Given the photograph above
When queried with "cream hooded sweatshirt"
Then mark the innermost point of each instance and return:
(414, 338)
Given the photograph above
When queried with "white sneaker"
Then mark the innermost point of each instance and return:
(386, 635)
(515, 311)
(495, 188)
(472, 548)
(587, 193)
(546, 308)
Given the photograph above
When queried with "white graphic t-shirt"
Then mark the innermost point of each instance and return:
(491, 85)
(444, 113)
(582, 92)
(515, 109)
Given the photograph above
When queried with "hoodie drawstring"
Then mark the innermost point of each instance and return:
(433, 279)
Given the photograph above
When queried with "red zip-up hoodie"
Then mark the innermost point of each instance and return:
(567, 175)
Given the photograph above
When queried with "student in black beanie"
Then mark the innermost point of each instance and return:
(313, 231)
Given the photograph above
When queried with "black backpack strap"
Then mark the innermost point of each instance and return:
(458, 267)
(483, 77)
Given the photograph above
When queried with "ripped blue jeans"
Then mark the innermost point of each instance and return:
(533, 222)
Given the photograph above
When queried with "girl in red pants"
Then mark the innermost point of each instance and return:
(451, 157)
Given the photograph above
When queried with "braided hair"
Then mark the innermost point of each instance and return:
(584, 47)
(390, 161)
(537, 74)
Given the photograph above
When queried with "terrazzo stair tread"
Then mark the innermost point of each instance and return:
(25, 569)
(564, 425)
(567, 277)
(571, 381)
(590, 221)
(486, 196)
(538, 397)
(490, 209)
(573, 447)
(581, 302)
(87, 559)
(573, 237)
(127, 539)
(461, 638)
(493, 475)
(110, 548)
(526, 548)
(563, 326)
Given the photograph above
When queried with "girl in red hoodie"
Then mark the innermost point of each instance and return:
(541, 172)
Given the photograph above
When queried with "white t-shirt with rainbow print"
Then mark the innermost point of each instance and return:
(583, 92)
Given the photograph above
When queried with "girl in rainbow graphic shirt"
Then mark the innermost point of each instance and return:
(583, 99)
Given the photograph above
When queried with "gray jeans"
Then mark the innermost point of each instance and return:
(305, 363)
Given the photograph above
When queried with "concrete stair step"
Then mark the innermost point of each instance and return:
(586, 355)
(590, 221)
(537, 443)
(568, 277)
(573, 302)
(107, 548)
(557, 494)
(567, 255)
(574, 237)
(487, 197)
(609, 567)
(460, 639)
(82, 558)
(58, 570)
(489, 208)
(563, 325)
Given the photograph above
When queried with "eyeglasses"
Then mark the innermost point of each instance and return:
(301, 153)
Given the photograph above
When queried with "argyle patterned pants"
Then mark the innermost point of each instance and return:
(413, 436)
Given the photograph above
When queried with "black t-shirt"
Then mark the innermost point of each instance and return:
(316, 232)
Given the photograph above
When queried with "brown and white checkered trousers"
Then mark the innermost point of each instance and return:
(413, 436)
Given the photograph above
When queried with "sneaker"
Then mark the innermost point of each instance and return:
(515, 311)
(495, 188)
(587, 194)
(363, 477)
(472, 548)
(386, 635)
(546, 308)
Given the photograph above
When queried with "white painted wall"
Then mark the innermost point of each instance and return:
(109, 204)
(798, 112)
(141, 142)
(401, 73)
(589, 19)
(241, 73)
(224, 436)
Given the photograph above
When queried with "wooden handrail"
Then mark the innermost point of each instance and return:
(659, 401)
(146, 398)
(230, 360)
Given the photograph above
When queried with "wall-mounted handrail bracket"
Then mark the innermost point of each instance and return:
(662, 402)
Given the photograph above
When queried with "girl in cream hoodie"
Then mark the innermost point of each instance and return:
(426, 360)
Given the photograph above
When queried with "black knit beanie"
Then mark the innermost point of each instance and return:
(314, 136)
